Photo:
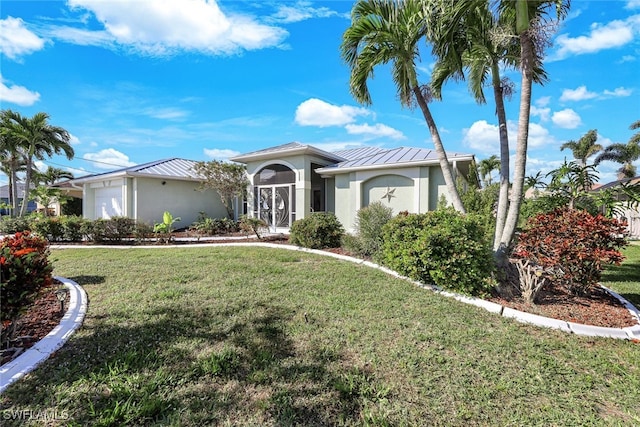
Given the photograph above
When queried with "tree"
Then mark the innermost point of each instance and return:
(52, 175)
(584, 148)
(45, 196)
(624, 154)
(486, 167)
(229, 180)
(36, 138)
(10, 158)
(388, 32)
(528, 18)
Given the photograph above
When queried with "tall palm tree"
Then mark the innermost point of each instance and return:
(584, 148)
(389, 31)
(529, 19)
(486, 167)
(624, 154)
(37, 138)
(10, 158)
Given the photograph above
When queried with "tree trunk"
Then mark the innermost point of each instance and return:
(526, 53)
(14, 189)
(503, 198)
(442, 155)
(27, 186)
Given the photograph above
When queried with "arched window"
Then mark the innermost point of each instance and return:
(274, 174)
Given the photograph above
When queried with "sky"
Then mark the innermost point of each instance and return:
(143, 80)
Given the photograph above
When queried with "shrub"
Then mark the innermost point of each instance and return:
(72, 228)
(212, 226)
(49, 228)
(368, 235)
(113, 230)
(25, 269)
(253, 225)
(574, 245)
(10, 225)
(318, 230)
(143, 231)
(442, 247)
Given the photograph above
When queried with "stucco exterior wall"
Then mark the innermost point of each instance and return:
(182, 198)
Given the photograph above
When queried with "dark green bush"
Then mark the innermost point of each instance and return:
(10, 225)
(113, 230)
(207, 226)
(25, 269)
(369, 223)
(143, 231)
(72, 228)
(50, 228)
(442, 247)
(318, 230)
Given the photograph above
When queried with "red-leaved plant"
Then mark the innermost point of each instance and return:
(574, 245)
(25, 269)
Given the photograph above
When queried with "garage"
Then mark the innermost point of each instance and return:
(108, 202)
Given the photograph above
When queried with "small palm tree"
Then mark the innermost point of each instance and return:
(52, 175)
(584, 148)
(624, 154)
(389, 32)
(486, 167)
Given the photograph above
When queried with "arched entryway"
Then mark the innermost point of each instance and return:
(274, 196)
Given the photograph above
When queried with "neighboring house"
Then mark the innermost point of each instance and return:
(144, 192)
(632, 216)
(288, 182)
(291, 180)
(4, 198)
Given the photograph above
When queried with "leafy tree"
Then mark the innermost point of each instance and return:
(10, 158)
(389, 32)
(624, 154)
(52, 175)
(585, 147)
(45, 196)
(229, 180)
(35, 139)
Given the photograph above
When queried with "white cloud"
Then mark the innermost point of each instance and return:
(482, 137)
(16, 40)
(301, 11)
(539, 136)
(612, 35)
(166, 113)
(315, 112)
(632, 4)
(74, 140)
(377, 130)
(164, 27)
(108, 159)
(220, 154)
(579, 94)
(543, 113)
(618, 92)
(566, 119)
(18, 95)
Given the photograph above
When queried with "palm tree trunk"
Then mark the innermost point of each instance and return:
(503, 198)
(521, 150)
(14, 190)
(27, 187)
(442, 155)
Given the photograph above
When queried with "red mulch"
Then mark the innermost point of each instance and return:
(35, 323)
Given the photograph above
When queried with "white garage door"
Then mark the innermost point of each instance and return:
(108, 202)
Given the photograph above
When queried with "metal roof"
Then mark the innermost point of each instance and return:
(358, 153)
(167, 168)
(397, 156)
(292, 148)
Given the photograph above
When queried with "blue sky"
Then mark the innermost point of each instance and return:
(143, 80)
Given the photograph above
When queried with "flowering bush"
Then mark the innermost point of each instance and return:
(574, 245)
(25, 269)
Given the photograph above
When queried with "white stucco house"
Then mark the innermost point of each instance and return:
(288, 182)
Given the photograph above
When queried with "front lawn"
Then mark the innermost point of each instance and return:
(261, 336)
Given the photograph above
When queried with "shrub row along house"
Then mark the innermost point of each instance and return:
(288, 182)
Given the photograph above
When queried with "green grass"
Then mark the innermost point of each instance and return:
(259, 336)
(625, 278)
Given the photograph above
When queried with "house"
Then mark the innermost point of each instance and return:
(629, 214)
(5, 197)
(292, 180)
(144, 192)
(287, 182)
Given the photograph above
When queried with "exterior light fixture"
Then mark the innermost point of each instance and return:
(61, 294)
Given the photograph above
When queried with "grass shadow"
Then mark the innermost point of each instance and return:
(88, 280)
(115, 373)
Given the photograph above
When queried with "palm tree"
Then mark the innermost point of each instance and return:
(52, 175)
(36, 138)
(584, 148)
(528, 19)
(10, 158)
(624, 154)
(389, 31)
(486, 167)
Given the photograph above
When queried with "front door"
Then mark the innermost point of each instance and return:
(274, 206)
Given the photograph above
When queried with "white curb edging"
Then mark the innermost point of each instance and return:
(30, 359)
